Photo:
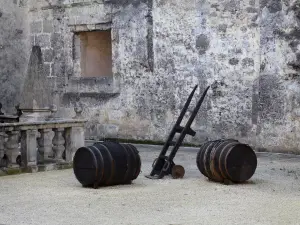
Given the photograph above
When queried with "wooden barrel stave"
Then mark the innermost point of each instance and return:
(199, 158)
(131, 163)
(215, 174)
(137, 162)
(217, 159)
(207, 159)
(100, 165)
(120, 158)
(109, 165)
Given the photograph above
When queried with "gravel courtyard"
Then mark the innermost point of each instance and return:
(272, 196)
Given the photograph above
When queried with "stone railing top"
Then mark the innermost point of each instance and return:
(9, 116)
(9, 119)
(60, 123)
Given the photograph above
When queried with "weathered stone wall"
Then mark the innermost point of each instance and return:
(277, 87)
(14, 51)
(247, 50)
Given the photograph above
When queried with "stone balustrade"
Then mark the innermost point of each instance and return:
(42, 145)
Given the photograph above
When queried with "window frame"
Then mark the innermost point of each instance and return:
(95, 87)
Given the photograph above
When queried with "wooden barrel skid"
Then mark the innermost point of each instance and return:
(106, 163)
(226, 160)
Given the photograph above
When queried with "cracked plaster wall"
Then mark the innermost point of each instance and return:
(247, 50)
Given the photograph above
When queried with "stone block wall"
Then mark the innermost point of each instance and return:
(14, 51)
(248, 51)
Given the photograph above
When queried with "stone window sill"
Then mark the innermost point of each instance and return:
(93, 87)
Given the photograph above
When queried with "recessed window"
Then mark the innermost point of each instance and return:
(95, 53)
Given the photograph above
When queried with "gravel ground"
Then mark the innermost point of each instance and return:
(272, 196)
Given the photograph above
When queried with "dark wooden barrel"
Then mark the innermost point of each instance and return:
(227, 159)
(106, 163)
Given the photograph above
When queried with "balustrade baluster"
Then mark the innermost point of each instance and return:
(2, 150)
(44, 145)
(58, 144)
(68, 144)
(12, 147)
(2, 141)
(29, 150)
(77, 139)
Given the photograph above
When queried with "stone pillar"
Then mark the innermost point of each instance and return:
(69, 144)
(77, 132)
(74, 137)
(2, 140)
(29, 150)
(3, 161)
(44, 145)
(58, 144)
(12, 147)
(78, 137)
